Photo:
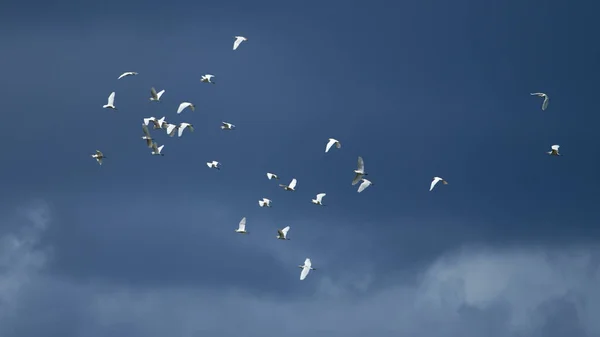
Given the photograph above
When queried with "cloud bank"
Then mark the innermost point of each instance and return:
(474, 291)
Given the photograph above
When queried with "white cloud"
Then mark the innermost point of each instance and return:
(505, 290)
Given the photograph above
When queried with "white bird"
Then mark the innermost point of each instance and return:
(111, 102)
(282, 233)
(554, 151)
(183, 126)
(291, 186)
(155, 96)
(207, 78)
(319, 199)
(127, 73)
(272, 176)
(330, 144)
(306, 268)
(158, 123)
(365, 183)
(546, 99)
(147, 135)
(238, 40)
(435, 181)
(264, 202)
(360, 171)
(157, 150)
(214, 164)
(227, 126)
(242, 226)
(171, 128)
(184, 105)
(98, 156)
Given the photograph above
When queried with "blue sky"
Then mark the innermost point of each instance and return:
(145, 245)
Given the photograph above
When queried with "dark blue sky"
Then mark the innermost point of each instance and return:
(145, 245)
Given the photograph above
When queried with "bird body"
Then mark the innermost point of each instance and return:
(365, 183)
(183, 126)
(242, 226)
(184, 105)
(264, 202)
(282, 233)
(207, 78)
(111, 102)
(331, 142)
(319, 199)
(157, 150)
(272, 176)
(98, 156)
(546, 99)
(214, 164)
(171, 128)
(291, 186)
(360, 171)
(158, 123)
(306, 268)
(435, 181)
(155, 96)
(127, 73)
(238, 41)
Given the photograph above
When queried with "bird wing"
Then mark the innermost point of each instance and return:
(320, 196)
(261, 203)
(361, 164)
(160, 93)
(242, 225)
(280, 233)
(293, 183)
(555, 147)
(154, 147)
(357, 178)
(111, 98)
(170, 129)
(149, 142)
(546, 101)
(329, 144)
(147, 120)
(99, 153)
(153, 92)
(304, 273)
(285, 230)
(364, 185)
(145, 129)
(270, 176)
(307, 263)
(537, 94)
(433, 182)
(209, 164)
(236, 43)
(182, 106)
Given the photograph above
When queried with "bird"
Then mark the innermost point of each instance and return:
(183, 126)
(360, 171)
(155, 96)
(214, 164)
(365, 183)
(435, 181)
(111, 102)
(264, 202)
(127, 73)
(554, 151)
(272, 176)
(207, 78)
(546, 99)
(157, 150)
(171, 128)
(319, 199)
(282, 233)
(227, 126)
(98, 156)
(330, 144)
(290, 187)
(306, 268)
(147, 135)
(184, 105)
(242, 226)
(158, 123)
(238, 41)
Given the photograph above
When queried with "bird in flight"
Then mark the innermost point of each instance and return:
(546, 99)
(238, 41)
(306, 268)
(111, 102)
(360, 171)
(98, 156)
(127, 73)
(435, 181)
(331, 142)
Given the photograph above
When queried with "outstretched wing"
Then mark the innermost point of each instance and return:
(433, 182)
(546, 101)
(360, 165)
(285, 230)
(111, 98)
(320, 196)
(146, 131)
(364, 185)
(292, 184)
(242, 225)
(357, 178)
(329, 144)
(153, 92)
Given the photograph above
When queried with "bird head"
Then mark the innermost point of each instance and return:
(300, 266)
(313, 268)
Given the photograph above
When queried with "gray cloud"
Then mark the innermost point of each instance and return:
(473, 291)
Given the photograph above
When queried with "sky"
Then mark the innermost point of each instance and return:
(145, 245)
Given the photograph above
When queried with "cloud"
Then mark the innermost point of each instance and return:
(474, 291)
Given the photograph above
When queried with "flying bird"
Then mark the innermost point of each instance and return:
(360, 171)
(264, 202)
(98, 156)
(546, 99)
(238, 41)
(127, 73)
(171, 128)
(183, 126)
(242, 226)
(319, 199)
(282, 233)
(365, 183)
(184, 105)
(158, 123)
(155, 96)
(435, 181)
(331, 143)
(147, 135)
(272, 176)
(554, 151)
(290, 187)
(111, 102)
(227, 126)
(207, 78)
(214, 164)
(157, 150)
(306, 268)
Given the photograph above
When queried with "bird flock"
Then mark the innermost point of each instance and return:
(171, 129)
